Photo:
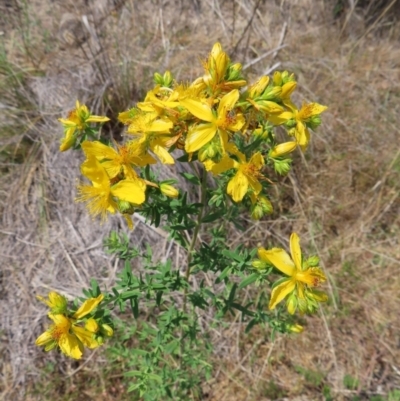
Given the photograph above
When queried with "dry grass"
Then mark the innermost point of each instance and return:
(343, 195)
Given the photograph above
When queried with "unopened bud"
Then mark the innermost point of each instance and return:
(313, 261)
(125, 207)
(169, 190)
(259, 264)
(283, 149)
(295, 328)
(107, 330)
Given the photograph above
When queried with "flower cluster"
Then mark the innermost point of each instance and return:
(67, 331)
(218, 119)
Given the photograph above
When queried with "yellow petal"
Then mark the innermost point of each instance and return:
(198, 109)
(85, 336)
(227, 103)
(71, 346)
(295, 250)
(198, 136)
(280, 118)
(279, 258)
(302, 135)
(99, 150)
(97, 119)
(160, 126)
(88, 306)
(92, 169)
(309, 110)
(163, 154)
(132, 191)
(92, 325)
(44, 339)
(280, 292)
(257, 160)
(225, 164)
(238, 186)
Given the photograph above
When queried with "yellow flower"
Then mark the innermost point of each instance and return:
(65, 332)
(224, 120)
(299, 281)
(247, 176)
(300, 117)
(100, 196)
(120, 160)
(57, 303)
(77, 120)
(60, 334)
(153, 133)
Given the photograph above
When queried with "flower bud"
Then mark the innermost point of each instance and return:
(314, 122)
(234, 72)
(312, 261)
(295, 328)
(158, 79)
(125, 207)
(169, 190)
(107, 330)
(92, 325)
(259, 264)
(167, 79)
(283, 149)
(67, 142)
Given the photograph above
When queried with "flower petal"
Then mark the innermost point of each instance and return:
(279, 258)
(130, 190)
(88, 307)
(198, 136)
(280, 292)
(200, 110)
(295, 250)
(238, 186)
(71, 346)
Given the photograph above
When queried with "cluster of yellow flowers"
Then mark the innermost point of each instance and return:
(205, 119)
(66, 331)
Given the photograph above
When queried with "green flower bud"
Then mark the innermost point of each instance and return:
(259, 264)
(158, 79)
(290, 123)
(125, 207)
(272, 93)
(282, 167)
(312, 261)
(167, 79)
(234, 72)
(314, 121)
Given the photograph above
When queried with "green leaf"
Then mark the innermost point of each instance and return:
(133, 373)
(232, 255)
(191, 178)
(135, 307)
(212, 217)
(224, 273)
(248, 280)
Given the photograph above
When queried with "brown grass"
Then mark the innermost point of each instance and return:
(342, 196)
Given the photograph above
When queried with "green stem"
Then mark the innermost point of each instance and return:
(190, 252)
(196, 232)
